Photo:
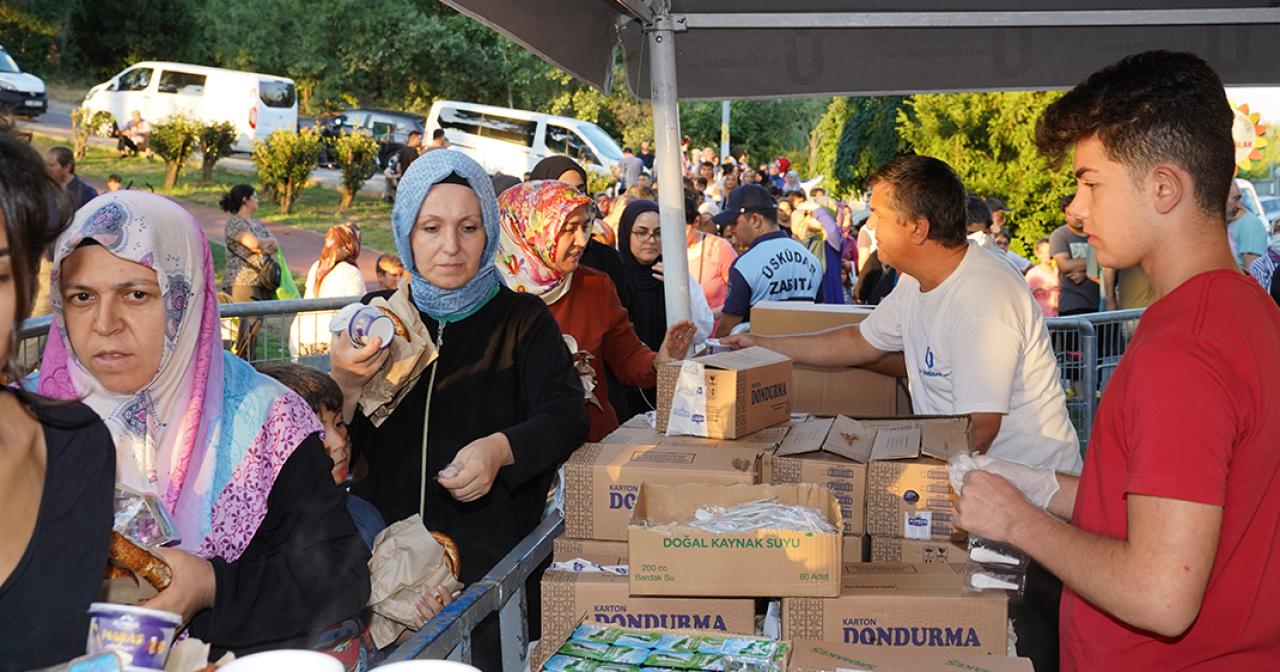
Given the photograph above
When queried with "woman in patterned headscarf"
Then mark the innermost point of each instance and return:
(474, 444)
(268, 555)
(545, 227)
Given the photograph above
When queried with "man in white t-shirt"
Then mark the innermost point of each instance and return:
(965, 325)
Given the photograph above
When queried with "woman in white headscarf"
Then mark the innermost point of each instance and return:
(269, 556)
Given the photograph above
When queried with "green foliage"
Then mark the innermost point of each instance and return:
(598, 182)
(216, 143)
(393, 53)
(853, 138)
(760, 128)
(84, 125)
(108, 36)
(357, 155)
(989, 139)
(284, 163)
(174, 139)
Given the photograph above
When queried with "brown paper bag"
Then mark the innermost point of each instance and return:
(409, 357)
(406, 562)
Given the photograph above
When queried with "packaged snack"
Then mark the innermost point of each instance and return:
(638, 639)
(678, 643)
(140, 517)
(563, 663)
(592, 650)
(679, 660)
(624, 655)
(589, 632)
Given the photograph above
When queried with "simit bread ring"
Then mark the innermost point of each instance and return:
(452, 559)
(130, 556)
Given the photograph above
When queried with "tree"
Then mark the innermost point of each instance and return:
(111, 35)
(988, 138)
(217, 140)
(853, 138)
(358, 157)
(760, 128)
(174, 139)
(84, 125)
(284, 163)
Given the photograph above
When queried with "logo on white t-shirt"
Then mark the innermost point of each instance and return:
(928, 362)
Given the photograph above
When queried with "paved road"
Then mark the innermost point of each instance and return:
(57, 123)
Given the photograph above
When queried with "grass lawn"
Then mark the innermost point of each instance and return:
(315, 210)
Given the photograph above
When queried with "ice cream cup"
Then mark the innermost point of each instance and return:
(140, 636)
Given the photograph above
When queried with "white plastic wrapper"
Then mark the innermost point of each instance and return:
(764, 514)
(580, 566)
(689, 402)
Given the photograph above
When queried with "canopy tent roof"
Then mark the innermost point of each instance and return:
(750, 49)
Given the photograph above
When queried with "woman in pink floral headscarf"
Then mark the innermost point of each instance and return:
(545, 228)
(268, 554)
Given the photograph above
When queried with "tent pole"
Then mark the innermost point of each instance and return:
(666, 137)
(724, 130)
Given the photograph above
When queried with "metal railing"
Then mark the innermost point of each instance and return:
(502, 590)
(1074, 343)
(275, 320)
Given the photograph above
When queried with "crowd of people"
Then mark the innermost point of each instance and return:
(545, 306)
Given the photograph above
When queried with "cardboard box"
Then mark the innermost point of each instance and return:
(764, 439)
(827, 391)
(746, 390)
(602, 480)
(897, 549)
(603, 598)
(903, 607)
(815, 452)
(807, 656)
(856, 549)
(909, 492)
(681, 560)
(775, 318)
(848, 391)
(565, 549)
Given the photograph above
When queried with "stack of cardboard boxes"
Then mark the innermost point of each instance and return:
(880, 480)
(603, 484)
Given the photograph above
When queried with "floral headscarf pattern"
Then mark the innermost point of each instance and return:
(531, 215)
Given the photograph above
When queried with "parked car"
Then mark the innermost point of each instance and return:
(514, 141)
(257, 104)
(21, 93)
(389, 128)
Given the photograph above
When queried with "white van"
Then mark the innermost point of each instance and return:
(514, 141)
(257, 104)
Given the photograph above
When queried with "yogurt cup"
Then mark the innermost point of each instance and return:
(140, 636)
(368, 322)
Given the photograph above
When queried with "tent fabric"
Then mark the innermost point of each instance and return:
(581, 36)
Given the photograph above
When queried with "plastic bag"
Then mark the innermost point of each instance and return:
(143, 519)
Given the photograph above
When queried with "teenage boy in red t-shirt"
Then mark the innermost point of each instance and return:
(1172, 556)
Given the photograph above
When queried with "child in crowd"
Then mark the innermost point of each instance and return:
(115, 183)
(325, 398)
(389, 269)
(1043, 279)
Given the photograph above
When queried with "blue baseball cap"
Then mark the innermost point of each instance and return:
(747, 198)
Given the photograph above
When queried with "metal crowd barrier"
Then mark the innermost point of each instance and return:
(502, 590)
(271, 322)
(1074, 343)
